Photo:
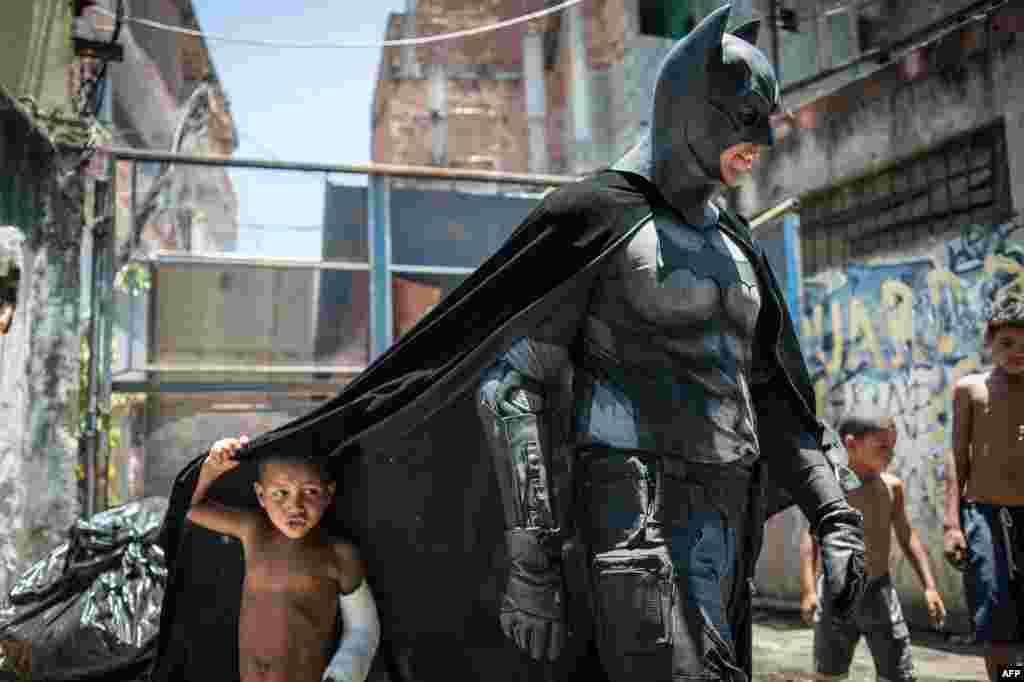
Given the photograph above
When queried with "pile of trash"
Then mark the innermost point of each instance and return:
(90, 610)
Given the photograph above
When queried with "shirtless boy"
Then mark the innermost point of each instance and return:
(869, 440)
(296, 577)
(984, 519)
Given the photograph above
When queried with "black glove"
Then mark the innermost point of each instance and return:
(840, 533)
(533, 609)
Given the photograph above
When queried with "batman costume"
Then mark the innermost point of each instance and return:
(578, 447)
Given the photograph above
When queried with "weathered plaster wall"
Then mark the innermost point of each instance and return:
(39, 379)
(487, 125)
(906, 107)
(13, 390)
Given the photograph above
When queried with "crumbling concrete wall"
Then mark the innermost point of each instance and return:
(40, 374)
(904, 108)
(485, 102)
(13, 390)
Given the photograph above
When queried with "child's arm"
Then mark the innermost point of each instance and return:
(808, 576)
(958, 463)
(211, 515)
(910, 541)
(360, 623)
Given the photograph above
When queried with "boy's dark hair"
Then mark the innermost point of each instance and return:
(320, 463)
(862, 421)
(1007, 311)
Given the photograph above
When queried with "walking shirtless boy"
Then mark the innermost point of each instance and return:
(869, 439)
(296, 577)
(984, 511)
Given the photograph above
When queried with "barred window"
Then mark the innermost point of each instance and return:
(928, 197)
(818, 35)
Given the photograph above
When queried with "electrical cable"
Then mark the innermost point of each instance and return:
(425, 40)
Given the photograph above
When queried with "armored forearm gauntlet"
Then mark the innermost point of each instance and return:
(812, 477)
(512, 408)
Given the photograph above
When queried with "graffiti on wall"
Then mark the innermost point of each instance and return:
(899, 334)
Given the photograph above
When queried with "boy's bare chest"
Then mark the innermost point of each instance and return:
(999, 422)
(300, 572)
(874, 501)
(996, 473)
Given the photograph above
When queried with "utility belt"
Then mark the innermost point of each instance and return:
(730, 482)
(622, 496)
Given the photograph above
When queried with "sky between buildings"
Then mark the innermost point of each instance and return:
(308, 105)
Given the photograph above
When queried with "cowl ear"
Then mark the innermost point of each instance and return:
(748, 31)
(708, 34)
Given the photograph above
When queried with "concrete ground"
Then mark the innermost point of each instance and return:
(783, 652)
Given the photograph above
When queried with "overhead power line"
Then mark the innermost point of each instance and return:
(424, 40)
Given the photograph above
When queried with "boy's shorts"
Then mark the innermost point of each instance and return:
(879, 618)
(994, 592)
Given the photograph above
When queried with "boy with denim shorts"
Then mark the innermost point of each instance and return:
(984, 510)
(869, 439)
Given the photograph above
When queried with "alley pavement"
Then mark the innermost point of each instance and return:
(783, 648)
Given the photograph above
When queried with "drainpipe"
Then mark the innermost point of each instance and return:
(438, 114)
(91, 435)
(533, 78)
(583, 137)
(410, 68)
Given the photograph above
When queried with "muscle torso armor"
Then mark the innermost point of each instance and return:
(667, 346)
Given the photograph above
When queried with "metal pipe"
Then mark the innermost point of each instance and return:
(774, 212)
(375, 169)
(105, 312)
(579, 92)
(378, 226)
(439, 114)
(151, 387)
(252, 369)
(166, 258)
(432, 269)
(533, 81)
(408, 64)
(91, 431)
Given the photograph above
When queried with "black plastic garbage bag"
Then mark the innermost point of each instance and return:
(91, 609)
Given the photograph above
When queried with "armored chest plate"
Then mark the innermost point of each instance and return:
(668, 343)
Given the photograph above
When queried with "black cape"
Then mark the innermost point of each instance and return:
(416, 489)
